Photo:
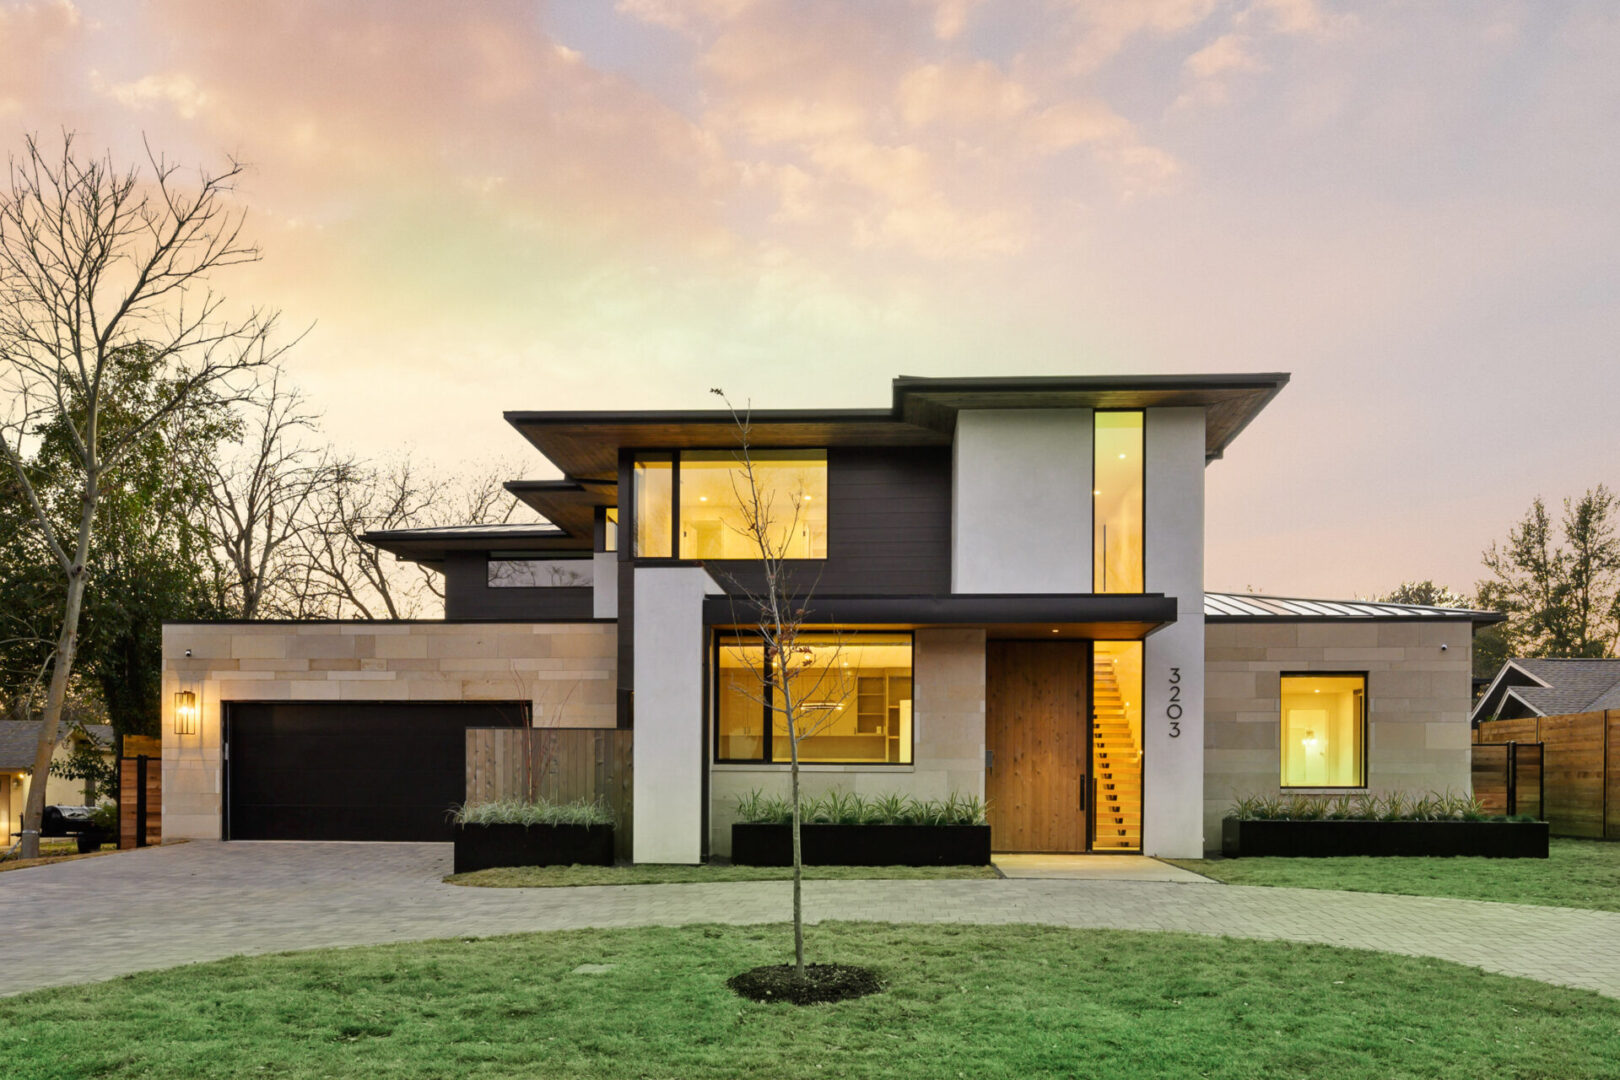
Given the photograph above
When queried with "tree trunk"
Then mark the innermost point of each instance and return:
(798, 852)
(61, 668)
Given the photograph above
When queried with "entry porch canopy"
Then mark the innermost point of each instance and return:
(1099, 617)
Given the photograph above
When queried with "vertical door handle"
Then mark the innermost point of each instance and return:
(1083, 786)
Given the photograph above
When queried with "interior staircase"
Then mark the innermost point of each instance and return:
(1117, 764)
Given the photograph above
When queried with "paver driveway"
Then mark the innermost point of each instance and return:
(96, 918)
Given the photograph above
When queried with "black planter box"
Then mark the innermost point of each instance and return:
(1319, 839)
(862, 845)
(479, 847)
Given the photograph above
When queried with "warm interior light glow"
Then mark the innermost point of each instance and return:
(1323, 730)
(1116, 503)
(716, 507)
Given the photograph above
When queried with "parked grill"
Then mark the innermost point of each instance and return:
(77, 821)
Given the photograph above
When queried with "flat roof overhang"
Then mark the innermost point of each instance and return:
(430, 546)
(1102, 617)
(585, 445)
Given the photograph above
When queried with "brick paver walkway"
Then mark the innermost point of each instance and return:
(97, 918)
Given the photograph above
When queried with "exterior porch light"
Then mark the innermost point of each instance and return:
(186, 712)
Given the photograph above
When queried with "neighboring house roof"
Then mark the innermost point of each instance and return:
(19, 738)
(1532, 686)
(1233, 607)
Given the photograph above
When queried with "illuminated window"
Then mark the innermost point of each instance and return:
(718, 505)
(610, 528)
(526, 573)
(1324, 725)
(1116, 503)
(854, 695)
(654, 483)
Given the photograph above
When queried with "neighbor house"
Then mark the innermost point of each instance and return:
(1008, 599)
(19, 739)
(1530, 686)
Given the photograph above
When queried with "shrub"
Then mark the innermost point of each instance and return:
(850, 808)
(1395, 806)
(536, 812)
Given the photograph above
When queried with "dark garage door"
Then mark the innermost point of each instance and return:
(350, 770)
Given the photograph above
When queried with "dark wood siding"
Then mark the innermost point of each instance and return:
(888, 526)
(467, 594)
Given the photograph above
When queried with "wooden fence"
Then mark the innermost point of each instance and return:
(140, 792)
(1580, 771)
(1508, 778)
(556, 764)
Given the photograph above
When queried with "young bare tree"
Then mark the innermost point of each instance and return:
(349, 578)
(104, 271)
(794, 668)
(478, 499)
(261, 502)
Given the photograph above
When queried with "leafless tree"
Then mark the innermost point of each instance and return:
(791, 671)
(347, 577)
(261, 503)
(479, 499)
(102, 268)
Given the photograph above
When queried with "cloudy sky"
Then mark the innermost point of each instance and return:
(1412, 207)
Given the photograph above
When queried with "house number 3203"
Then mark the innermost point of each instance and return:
(1172, 711)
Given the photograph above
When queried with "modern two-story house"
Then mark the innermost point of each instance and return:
(1003, 581)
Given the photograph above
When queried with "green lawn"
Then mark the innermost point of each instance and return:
(542, 877)
(978, 1002)
(1576, 873)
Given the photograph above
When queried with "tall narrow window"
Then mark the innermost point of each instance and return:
(1116, 503)
(1324, 726)
(655, 503)
(610, 529)
(717, 504)
(1116, 745)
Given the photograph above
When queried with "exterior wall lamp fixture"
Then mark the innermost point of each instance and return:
(186, 712)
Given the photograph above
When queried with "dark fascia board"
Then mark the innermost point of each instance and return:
(567, 504)
(1038, 611)
(430, 548)
(374, 622)
(1232, 401)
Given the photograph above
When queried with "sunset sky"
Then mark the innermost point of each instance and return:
(1414, 208)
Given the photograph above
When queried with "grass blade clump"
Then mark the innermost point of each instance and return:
(852, 808)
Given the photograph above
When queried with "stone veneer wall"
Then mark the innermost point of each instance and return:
(567, 670)
(1418, 697)
(948, 740)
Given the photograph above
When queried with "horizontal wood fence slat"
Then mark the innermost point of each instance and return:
(1580, 767)
(556, 764)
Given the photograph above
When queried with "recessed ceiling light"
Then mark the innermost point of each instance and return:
(1096, 491)
(807, 498)
(1122, 457)
(703, 498)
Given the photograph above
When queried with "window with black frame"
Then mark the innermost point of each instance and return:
(854, 694)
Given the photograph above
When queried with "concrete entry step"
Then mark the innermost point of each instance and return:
(1095, 868)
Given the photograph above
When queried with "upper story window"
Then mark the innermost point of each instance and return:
(607, 529)
(529, 573)
(1324, 731)
(713, 504)
(1116, 503)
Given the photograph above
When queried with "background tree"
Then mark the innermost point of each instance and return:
(1426, 593)
(1561, 599)
(261, 504)
(103, 271)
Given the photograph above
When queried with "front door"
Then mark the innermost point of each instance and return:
(1036, 725)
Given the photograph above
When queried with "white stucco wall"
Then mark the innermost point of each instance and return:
(1173, 765)
(669, 709)
(605, 585)
(1021, 501)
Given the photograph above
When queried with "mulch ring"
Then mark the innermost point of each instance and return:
(822, 983)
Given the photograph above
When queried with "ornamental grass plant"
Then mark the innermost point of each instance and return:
(851, 808)
(533, 812)
(1392, 806)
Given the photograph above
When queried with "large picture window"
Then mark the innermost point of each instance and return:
(710, 491)
(1324, 731)
(855, 696)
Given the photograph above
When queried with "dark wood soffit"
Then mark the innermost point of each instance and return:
(569, 506)
(587, 449)
(433, 552)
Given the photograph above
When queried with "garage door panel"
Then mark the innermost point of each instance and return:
(351, 770)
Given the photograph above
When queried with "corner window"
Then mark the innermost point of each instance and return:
(1324, 731)
(1116, 503)
(610, 528)
(526, 573)
(854, 692)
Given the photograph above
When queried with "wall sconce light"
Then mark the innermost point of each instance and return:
(186, 712)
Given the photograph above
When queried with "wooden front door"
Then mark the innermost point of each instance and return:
(1036, 723)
